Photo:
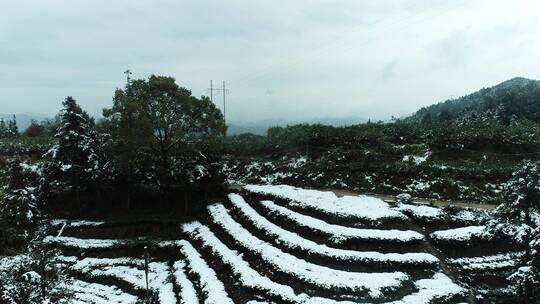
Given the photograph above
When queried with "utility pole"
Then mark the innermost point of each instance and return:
(211, 91)
(224, 91)
(224, 102)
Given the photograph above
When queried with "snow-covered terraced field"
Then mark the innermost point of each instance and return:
(258, 251)
(481, 264)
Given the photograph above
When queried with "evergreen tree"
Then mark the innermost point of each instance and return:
(522, 198)
(36, 277)
(13, 129)
(18, 213)
(3, 128)
(526, 280)
(514, 220)
(72, 153)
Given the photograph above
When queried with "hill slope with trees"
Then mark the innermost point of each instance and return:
(517, 98)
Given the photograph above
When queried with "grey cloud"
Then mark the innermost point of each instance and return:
(281, 59)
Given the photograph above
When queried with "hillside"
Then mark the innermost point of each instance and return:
(518, 97)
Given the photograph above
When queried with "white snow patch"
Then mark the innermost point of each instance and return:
(360, 207)
(459, 234)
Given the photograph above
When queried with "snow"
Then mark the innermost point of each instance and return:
(160, 280)
(420, 211)
(187, 293)
(341, 233)
(429, 289)
(92, 293)
(320, 276)
(77, 223)
(492, 262)
(435, 289)
(85, 243)
(416, 159)
(359, 207)
(459, 234)
(211, 286)
(11, 261)
(293, 240)
(86, 223)
(247, 276)
(131, 271)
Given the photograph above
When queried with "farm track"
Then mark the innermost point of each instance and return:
(241, 252)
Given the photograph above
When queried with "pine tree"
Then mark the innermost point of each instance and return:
(13, 129)
(36, 277)
(3, 128)
(522, 199)
(514, 219)
(71, 154)
(18, 213)
(526, 280)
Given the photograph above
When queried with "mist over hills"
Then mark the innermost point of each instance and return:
(23, 119)
(517, 97)
(260, 127)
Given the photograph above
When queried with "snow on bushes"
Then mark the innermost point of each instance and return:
(131, 271)
(439, 288)
(319, 276)
(92, 293)
(341, 233)
(212, 287)
(436, 288)
(73, 242)
(463, 234)
(491, 262)
(293, 240)
(187, 293)
(353, 207)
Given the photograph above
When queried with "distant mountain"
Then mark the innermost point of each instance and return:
(23, 120)
(518, 97)
(262, 126)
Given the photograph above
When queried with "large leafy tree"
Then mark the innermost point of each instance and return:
(156, 124)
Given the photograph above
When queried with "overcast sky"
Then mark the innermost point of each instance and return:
(293, 60)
